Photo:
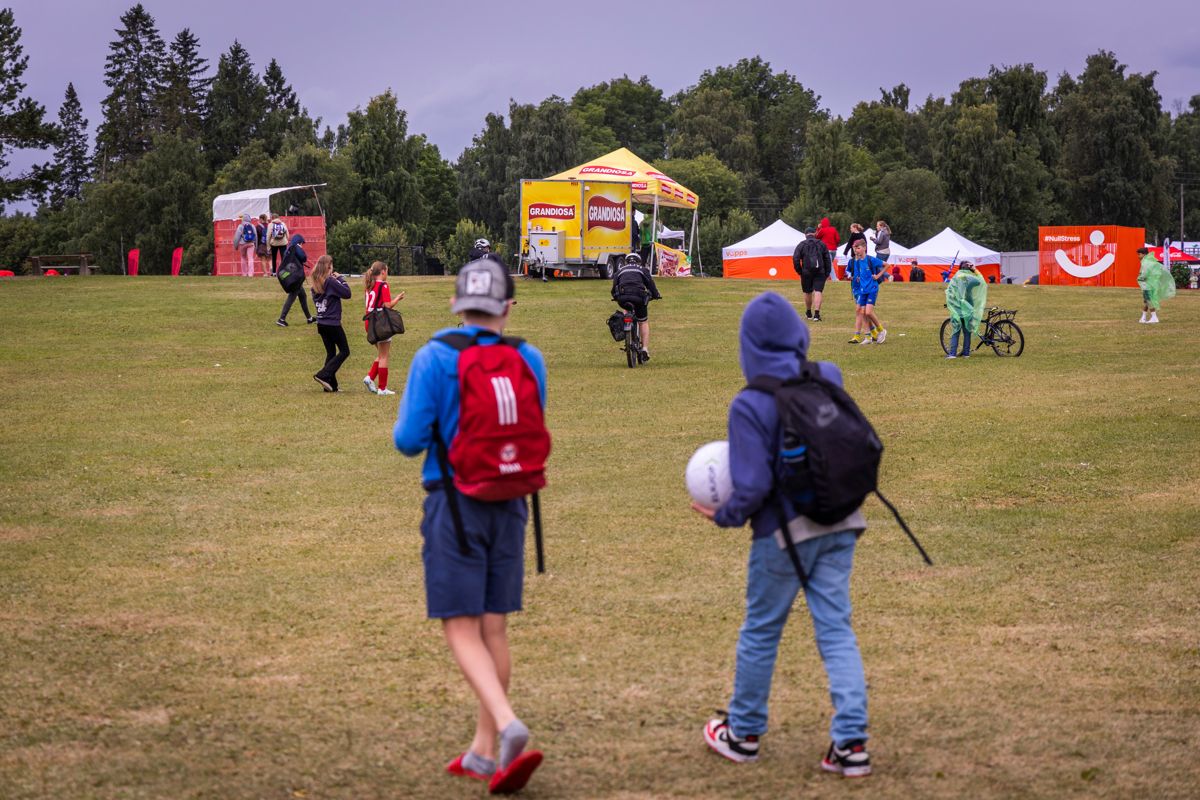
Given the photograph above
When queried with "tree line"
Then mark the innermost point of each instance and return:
(1003, 154)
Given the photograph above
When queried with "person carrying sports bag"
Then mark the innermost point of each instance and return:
(473, 405)
(291, 278)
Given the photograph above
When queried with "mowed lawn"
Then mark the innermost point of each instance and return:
(210, 579)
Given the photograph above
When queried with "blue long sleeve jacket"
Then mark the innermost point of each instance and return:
(772, 341)
(431, 395)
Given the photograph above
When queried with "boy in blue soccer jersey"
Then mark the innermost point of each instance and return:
(865, 274)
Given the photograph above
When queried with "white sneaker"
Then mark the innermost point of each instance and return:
(722, 741)
(370, 384)
(385, 391)
(867, 340)
(1153, 318)
(882, 335)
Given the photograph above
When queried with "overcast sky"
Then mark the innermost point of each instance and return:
(452, 62)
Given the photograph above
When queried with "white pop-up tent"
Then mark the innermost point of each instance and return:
(251, 201)
(950, 247)
(767, 255)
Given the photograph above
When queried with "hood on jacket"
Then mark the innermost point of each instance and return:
(772, 338)
(296, 239)
(824, 222)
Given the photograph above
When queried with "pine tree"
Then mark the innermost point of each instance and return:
(71, 161)
(21, 125)
(134, 73)
(185, 88)
(236, 102)
(283, 115)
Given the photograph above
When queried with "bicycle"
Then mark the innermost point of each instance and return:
(624, 329)
(999, 332)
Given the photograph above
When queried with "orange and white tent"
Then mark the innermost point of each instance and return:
(767, 255)
(649, 185)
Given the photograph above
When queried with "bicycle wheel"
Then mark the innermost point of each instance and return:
(947, 331)
(1007, 339)
(631, 353)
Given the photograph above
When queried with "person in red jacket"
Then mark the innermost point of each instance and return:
(829, 236)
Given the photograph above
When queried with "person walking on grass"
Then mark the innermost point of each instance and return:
(773, 342)
(865, 273)
(812, 263)
(473, 590)
(291, 278)
(329, 289)
(966, 297)
(1157, 286)
(260, 245)
(376, 294)
(277, 239)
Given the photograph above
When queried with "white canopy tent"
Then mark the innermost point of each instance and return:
(896, 251)
(949, 247)
(251, 201)
(765, 255)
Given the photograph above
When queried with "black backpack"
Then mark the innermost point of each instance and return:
(916, 275)
(291, 274)
(829, 456)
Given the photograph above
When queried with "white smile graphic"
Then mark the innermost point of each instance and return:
(1071, 268)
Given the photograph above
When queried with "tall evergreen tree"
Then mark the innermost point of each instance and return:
(235, 107)
(21, 124)
(184, 87)
(133, 72)
(283, 116)
(385, 157)
(73, 166)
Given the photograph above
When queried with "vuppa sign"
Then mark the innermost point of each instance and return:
(1089, 255)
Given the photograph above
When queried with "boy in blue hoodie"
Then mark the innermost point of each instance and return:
(773, 342)
(865, 274)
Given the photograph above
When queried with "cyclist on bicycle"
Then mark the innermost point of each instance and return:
(966, 296)
(633, 288)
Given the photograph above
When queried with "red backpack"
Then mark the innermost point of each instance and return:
(502, 443)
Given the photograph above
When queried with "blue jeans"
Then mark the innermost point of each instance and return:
(964, 326)
(771, 588)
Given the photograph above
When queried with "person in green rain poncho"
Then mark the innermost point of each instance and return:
(1157, 285)
(966, 296)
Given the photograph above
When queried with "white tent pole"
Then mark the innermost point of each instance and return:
(692, 242)
(654, 236)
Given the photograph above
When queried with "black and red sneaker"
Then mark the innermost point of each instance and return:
(719, 737)
(851, 761)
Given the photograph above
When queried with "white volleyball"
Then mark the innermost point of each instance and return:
(707, 475)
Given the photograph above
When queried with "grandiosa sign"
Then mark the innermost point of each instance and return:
(605, 213)
(551, 211)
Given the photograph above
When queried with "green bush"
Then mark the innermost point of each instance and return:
(453, 252)
(1182, 274)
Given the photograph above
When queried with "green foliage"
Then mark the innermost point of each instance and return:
(623, 113)
(361, 230)
(236, 102)
(454, 250)
(713, 121)
(18, 241)
(306, 164)
(72, 165)
(716, 233)
(184, 93)
(1182, 274)
(719, 188)
(913, 202)
(837, 177)
(439, 192)
(21, 125)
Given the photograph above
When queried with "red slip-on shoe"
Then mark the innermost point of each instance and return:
(513, 779)
(456, 767)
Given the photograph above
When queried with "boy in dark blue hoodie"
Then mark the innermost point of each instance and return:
(773, 341)
(295, 254)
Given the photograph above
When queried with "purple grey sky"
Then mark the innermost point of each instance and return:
(450, 62)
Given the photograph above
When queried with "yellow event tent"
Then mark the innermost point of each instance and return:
(649, 186)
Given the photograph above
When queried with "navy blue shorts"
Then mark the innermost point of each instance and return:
(489, 580)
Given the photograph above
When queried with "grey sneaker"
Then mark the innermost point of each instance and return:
(851, 761)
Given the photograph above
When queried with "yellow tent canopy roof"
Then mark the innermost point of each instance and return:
(622, 166)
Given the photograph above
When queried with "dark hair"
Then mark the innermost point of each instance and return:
(1143, 251)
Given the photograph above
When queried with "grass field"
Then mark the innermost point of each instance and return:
(210, 581)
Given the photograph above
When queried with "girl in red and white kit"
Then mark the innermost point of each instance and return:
(375, 290)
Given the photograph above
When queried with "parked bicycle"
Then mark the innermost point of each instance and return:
(624, 329)
(997, 331)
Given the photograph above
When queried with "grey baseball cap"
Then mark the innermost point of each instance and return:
(483, 285)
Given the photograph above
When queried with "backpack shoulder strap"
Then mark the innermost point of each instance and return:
(458, 340)
(767, 384)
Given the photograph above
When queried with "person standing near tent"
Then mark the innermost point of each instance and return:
(883, 241)
(830, 238)
(865, 272)
(966, 297)
(260, 244)
(472, 584)
(812, 263)
(329, 289)
(1157, 286)
(377, 295)
(245, 239)
(277, 239)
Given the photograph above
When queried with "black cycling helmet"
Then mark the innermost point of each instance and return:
(633, 259)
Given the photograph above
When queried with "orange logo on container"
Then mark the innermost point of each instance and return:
(604, 213)
(598, 169)
(551, 211)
